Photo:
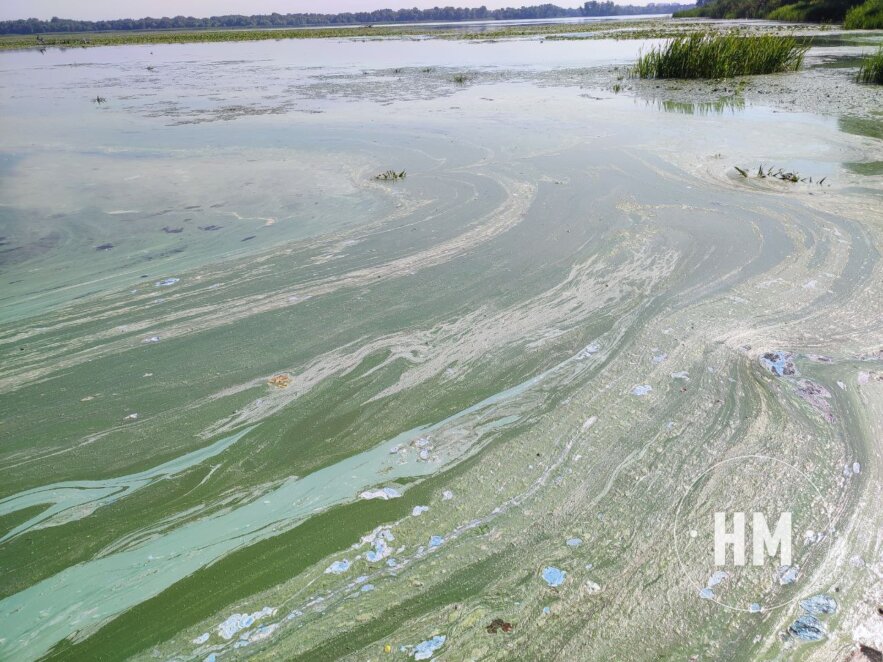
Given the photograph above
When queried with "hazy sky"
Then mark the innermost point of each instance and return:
(98, 9)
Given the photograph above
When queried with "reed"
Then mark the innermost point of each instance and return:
(704, 55)
(871, 71)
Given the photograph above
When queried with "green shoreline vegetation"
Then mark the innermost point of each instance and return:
(625, 29)
(854, 14)
(720, 56)
(871, 71)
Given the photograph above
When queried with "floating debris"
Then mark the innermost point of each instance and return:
(280, 381)
(817, 396)
(683, 374)
(380, 549)
(554, 576)
(592, 587)
(104, 247)
(499, 625)
(338, 567)
(717, 578)
(201, 639)
(390, 176)
(210, 228)
(237, 622)
(435, 541)
(151, 339)
(587, 351)
(426, 649)
(755, 608)
(659, 358)
(131, 417)
(706, 594)
(787, 574)
(447, 495)
(367, 588)
(166, 282)
(169, 230)
(574, 542)
(856, 468)
(780, 364)
(386, 493)
(642, 389)
(819, 604)
(808, 628)
(419, 510)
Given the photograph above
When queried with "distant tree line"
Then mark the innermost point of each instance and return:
(36, 26)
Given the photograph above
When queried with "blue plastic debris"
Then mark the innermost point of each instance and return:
(366, 588)
(717, 578)
(642, 389)
(808, 628)
(706, 594)
(166, 282)
(338, 567)
(201, 639)
(754, 608)
(435, 541)
(788, 574)
(426, 649)
(554, 576)
(574, 542)
(419, 510)
(819, 604)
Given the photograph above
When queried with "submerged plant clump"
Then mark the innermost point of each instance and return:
(784, 175)
(871, 70)
(703, 55)
(390, 176)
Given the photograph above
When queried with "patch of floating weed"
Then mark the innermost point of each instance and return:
(460, 79)
(390, 176)
(704, 55)
(781, 174)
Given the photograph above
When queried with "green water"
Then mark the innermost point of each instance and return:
(477, 337)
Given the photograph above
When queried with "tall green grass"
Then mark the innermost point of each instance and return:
(720, 56)
(868, 16)
(871, 70)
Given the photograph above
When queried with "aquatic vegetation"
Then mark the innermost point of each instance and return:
(780, 173)
(391, 176)
(705, 55)
(460, 79)
(867, 16)
(871, 70)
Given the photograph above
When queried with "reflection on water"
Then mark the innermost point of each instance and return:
(731, 104)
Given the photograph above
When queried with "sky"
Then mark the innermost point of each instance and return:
(102, 9)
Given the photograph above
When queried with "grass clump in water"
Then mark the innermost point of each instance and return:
(390, 176)
(868, 16)
(703, 55)
(871, 70)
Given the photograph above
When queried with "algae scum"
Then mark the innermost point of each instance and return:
(434, 350)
